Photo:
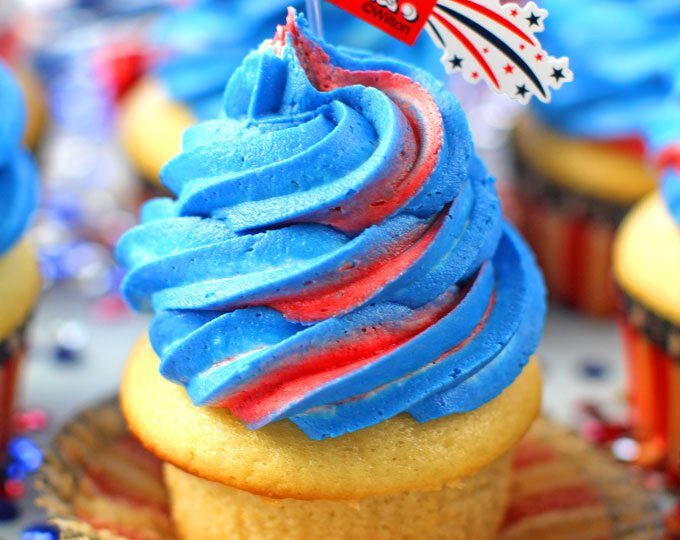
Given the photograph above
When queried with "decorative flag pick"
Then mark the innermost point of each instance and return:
(314, 17)
(483, 40)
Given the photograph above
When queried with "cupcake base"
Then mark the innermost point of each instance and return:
(472, 508)
(97, 483)
(572, 236)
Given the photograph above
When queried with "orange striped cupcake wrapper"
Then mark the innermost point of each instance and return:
(654, 387)
(574, 252)
(572, 235)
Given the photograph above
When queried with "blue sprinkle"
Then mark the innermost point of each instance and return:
(66, 355)
(15, 471)
(40, 531)
(25, 452)
(592, 368)
(8, 510)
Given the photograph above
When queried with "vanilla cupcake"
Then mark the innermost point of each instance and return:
(343, 321)
(581, 159)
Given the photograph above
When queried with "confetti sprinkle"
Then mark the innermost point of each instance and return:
(30, 421)
(26, 453)
(13, 489)
(40, 531)
(626, 449)
(8, 510)
(593, 368)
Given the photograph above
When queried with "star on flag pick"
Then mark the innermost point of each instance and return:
(482, 39)
(497, 43)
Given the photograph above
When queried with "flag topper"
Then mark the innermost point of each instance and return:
(482, 39)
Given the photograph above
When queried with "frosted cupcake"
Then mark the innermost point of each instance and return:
(19, 277)
(581, 159)
(344, 322)
(647, 272)
(202, 45)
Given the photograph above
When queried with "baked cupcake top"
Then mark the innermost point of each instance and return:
(335, 253)
(626, 62)
(18, 174)
(208, 40)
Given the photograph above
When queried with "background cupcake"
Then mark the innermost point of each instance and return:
(341, 231)
(647, 272)
(199, 48)
(581, 159)
(19, 276)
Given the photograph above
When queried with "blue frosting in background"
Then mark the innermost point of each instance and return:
(211, 37)
(18, 174)
(249, 227)
(625, 55)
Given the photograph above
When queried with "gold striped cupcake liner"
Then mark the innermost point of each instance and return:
(98, 483)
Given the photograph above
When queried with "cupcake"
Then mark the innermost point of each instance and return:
(19, 276)
(200, 46)
(343, 321)
(12, 53)
(647, 272)
(581, 161)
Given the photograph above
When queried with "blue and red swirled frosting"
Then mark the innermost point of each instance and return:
(18, 174)
(335, 254)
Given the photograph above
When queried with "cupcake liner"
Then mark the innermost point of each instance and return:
(98, 483)
(572, 236)
(12, 352)
(652, 349)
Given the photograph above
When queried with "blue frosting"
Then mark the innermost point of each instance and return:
(209, 39)
(256, 192)
(18, 174)
(625, 55)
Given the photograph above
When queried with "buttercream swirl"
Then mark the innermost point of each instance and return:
(207, 41)
(336, 253)
(18, 174)
(625, 55)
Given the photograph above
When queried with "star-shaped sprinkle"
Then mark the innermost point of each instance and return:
(533, 19)
(539, 57)
(509, 68)
(522, 90)
(456, 61)
(514, 13)
(475, 75)
(558, 74)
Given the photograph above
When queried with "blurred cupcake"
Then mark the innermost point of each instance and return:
(347, 320)
(201, 45)
(647, 272)
(19, 276)
(13, 54)
(580, 159)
